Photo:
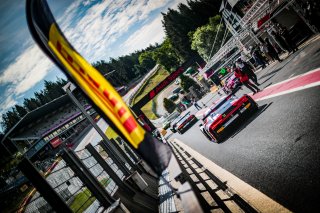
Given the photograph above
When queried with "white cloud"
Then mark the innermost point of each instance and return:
(7, 104)
(142, 38)
(105, 22)
(27, 70)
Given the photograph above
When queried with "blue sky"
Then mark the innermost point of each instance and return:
(97, 29)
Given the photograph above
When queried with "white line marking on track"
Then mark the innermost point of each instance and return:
(297, 76)
(290, 91)
(291, 75)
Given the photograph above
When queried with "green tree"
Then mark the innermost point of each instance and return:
(42, 97)
(202, 39)
(30, 104)
(177, 28)
(21, 110)
(169, 105)
(146, 60)
(139, 70)
(204, 9)
(9, 119)
(187, 82)
(52, 90)
(166, 56)
(178, 23)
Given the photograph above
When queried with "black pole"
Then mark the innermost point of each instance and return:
(132, 154)
(121, 166)
(124, 154)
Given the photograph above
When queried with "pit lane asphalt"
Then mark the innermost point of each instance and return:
(276, 150)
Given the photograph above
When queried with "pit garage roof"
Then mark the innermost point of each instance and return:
(36, 114)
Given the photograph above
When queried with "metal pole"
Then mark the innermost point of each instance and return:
(109, 73)
(126, 158)
(122, 166)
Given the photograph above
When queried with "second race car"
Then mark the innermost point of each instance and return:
(232, 83)
(182, 124)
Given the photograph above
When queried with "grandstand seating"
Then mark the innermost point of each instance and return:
(50, 122)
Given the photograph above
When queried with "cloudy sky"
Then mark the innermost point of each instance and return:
(97, 29)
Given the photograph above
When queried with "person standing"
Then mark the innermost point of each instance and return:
(284, 33)
(280, 41)
(196, 105)
(264, 50)
(245, 80)
(248, 70)
(271, 50)
(257, 57)
(216, 80)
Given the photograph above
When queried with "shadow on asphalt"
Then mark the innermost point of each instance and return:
(268, 85)
(317, 51)
(272, 73)
(268, 78)
(246, 122)
(284, 63)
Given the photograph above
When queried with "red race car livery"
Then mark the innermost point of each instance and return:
(223, 113)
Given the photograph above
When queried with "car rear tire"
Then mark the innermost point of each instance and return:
(210, 138)
(217, 138)
(206, 135)
(254, 104)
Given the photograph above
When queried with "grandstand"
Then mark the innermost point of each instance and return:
(41, 132)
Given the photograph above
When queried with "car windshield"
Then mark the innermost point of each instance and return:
(214, 110)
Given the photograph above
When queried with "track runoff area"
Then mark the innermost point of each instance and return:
(259, 200)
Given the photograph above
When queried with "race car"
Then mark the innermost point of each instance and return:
(183, 123)
(221, 115)
(231, 83)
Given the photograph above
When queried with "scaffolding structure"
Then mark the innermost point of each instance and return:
(248, 23)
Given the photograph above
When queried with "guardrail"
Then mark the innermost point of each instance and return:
(141, 84)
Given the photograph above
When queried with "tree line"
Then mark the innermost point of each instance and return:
(190, 31)
(51, 91)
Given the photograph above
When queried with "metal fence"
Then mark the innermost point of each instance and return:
(71, 187)
(91, 180)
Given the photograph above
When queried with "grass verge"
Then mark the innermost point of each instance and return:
(153, 81)
(84, 199)
(150, 108)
